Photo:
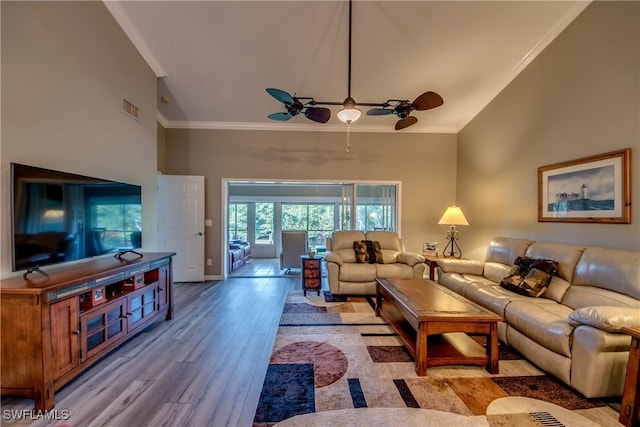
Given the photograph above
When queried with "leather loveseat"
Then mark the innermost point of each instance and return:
(348, 277)
(245, 248)
(572, 330)
(239, 254)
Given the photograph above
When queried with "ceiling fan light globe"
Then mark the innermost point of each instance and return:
(349, 115)
(349, 112)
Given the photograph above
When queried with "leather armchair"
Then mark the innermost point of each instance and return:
(294, 244)
(348, 277)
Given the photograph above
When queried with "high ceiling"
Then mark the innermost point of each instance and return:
(214, 59)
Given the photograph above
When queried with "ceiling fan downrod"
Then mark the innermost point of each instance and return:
(349, 112)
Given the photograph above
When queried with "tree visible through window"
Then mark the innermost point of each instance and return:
(316, 219)
(238, 221)
(369, 217)
(264, 223)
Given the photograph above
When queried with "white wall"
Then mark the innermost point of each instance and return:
(66, 66)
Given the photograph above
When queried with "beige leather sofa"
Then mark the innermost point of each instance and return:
(572, 331)
(347, 277)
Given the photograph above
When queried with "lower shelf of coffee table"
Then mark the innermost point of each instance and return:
(452, 348)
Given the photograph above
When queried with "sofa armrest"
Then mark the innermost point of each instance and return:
(462, 266)
(333, 257)
(606, 318)
(410, 258)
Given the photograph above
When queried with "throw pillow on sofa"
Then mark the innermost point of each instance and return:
(530, 276)
(362, 254)
(375, 252)
(368, 251)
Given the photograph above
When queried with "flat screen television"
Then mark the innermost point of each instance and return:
(59, 217)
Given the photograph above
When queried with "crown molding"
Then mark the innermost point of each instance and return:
(297, 127)
(162, 119)
(134, 35)
(541, 45)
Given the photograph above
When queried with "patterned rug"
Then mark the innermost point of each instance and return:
(333, 360)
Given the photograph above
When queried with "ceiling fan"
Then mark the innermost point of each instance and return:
(403, 108)
(349, 112)
(295, 106)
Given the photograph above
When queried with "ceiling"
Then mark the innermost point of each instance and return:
(214, 59)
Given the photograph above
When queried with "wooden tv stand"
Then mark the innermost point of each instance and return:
(54, 328)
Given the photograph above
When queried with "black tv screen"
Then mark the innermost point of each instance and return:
(59, 217)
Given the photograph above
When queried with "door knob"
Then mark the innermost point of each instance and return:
(200, 233)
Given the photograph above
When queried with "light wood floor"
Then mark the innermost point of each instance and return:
(203, 368)
(262, 267)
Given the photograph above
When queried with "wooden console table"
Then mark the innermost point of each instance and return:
(630, 407)
(54, 328)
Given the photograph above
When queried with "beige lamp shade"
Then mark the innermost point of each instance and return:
(453, 216)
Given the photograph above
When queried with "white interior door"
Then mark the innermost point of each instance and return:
(181, 224)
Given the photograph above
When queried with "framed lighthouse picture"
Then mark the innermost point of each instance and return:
(591, 189)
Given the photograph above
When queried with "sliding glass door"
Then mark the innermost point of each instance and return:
(347, 207)
(258, 212)
(376, 207)
(264, 223)
(317, 219)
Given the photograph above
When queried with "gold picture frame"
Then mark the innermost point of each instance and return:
(591, 189)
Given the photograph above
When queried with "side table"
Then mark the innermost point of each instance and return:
(630, 407)
(310, 274)
(432, 262)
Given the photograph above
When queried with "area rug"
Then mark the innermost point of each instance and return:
(334, 360)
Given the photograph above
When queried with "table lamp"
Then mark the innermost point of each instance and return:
(453, 216)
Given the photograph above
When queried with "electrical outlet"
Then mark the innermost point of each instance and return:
(208, 261)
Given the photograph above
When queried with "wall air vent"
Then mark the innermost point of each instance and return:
(130, 110)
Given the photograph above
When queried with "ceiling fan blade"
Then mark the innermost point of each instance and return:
(379, 112)
(282, 117)
(280, 95)
(318, 114)
(427, 101)
(405, 123)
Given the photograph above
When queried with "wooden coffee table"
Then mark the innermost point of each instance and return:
(433, 322)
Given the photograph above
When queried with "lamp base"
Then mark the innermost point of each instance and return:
(452, 246)
(454, 251)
